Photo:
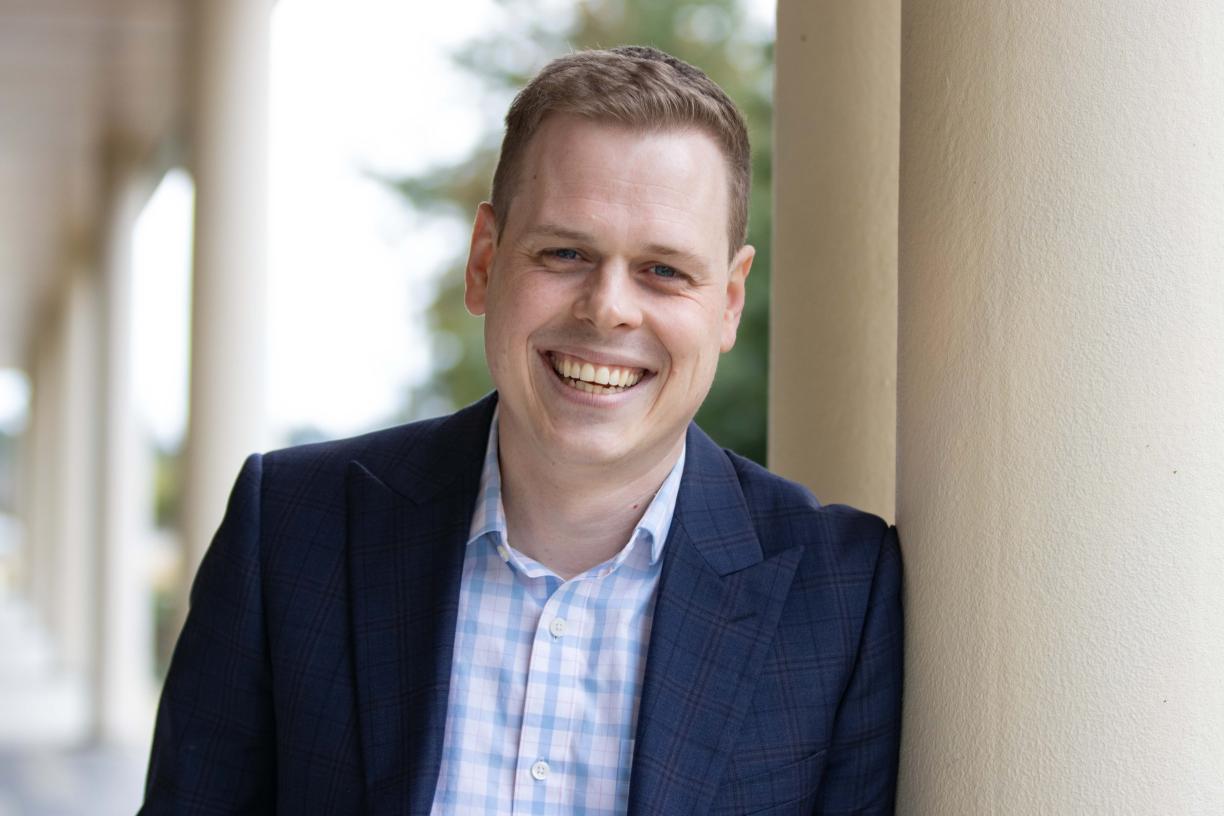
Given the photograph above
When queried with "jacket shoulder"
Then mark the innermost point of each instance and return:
(785, 513)
(304, 491)
(414, 460)
(323, 462)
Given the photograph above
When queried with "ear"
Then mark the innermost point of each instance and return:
(480, 259)
(737, 275)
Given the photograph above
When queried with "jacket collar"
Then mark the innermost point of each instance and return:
(408, 514)
(436, 454)
(715, 617)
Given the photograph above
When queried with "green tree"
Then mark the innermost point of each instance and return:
(712, 34)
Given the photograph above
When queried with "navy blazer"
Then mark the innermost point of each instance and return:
(312, 673)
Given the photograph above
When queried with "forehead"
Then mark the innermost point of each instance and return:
(667, 185)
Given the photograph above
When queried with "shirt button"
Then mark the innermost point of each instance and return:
(539, 770)
(557, 627)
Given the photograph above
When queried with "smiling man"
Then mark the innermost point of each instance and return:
(609, 289)
(564, 598)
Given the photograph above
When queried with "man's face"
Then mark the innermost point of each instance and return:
(608, 295)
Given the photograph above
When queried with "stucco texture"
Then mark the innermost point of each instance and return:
(1061, 406)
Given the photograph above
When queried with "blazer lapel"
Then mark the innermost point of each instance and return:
(717, 609)
(408, 520)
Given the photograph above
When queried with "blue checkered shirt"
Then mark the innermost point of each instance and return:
(547, 673)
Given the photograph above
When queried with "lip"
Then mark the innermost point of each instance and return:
(591, 400)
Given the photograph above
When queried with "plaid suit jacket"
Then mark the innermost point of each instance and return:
(312, 673)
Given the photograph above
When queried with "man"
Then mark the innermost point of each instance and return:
(564, 598)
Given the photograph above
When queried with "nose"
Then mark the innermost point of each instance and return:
(608, 299)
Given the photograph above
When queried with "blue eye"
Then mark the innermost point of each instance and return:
(663, 271)
(564, 254)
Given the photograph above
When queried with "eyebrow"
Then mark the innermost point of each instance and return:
(664, 251)
(557, 231)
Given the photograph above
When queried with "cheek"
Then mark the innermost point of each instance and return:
(510, 321)
(499, 340)
(693, 343)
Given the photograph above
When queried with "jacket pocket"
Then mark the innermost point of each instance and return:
(772, 791)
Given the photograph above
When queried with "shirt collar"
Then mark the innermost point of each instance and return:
(490, 514)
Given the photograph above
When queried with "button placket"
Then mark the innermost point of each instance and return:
(555, 618)
(543, 699)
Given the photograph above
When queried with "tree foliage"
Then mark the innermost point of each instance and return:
(712, 34)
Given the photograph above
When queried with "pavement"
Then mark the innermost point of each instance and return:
(47, 765)
(70, 781)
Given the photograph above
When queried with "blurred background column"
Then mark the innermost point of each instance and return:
(121, 681)
(74, 460)
(48, 644)
(832, 382)
(1061, 395)
(228, 149)
(41, 501)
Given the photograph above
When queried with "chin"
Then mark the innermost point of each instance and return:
(594, 449)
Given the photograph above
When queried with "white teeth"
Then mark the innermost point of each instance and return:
(595, 380)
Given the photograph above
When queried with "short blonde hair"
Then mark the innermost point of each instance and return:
(632, 85)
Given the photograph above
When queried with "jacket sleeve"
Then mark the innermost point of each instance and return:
(861, 769)
(214, 743)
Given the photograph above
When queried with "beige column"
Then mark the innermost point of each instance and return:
(48, 654)
(60, 534)
(74, 462)
(43, 516)
(832, 391)
(1061, 407)
(229, 163)
(123, 673)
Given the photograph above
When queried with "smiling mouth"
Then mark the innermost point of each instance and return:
(586, 376)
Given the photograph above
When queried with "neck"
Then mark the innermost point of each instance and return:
(572, 516)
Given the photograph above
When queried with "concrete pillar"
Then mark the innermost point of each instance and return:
(42, 518)
(74, 459)
(229, 162)
(123, 673)
(832, 400)
(1061, 396)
